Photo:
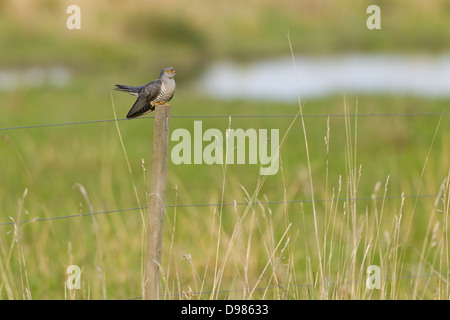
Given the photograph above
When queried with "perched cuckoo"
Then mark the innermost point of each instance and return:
(157, 92)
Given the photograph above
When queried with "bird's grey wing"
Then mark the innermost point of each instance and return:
(146, 94)
(151, 90)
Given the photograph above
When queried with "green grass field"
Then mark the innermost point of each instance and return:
(380, 184)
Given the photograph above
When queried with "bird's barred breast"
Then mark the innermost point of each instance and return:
(165, 94)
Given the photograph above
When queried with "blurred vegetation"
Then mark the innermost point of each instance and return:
(143, 35)
(129, 42)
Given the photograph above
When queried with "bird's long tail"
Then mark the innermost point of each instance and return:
(130, 89)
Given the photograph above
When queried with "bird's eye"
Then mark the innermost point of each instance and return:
(167, 71)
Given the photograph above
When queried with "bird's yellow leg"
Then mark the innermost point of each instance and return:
(160, 104)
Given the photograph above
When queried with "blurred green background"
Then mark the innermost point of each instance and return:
(50, 75)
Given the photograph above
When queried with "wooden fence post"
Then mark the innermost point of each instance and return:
(156, 202)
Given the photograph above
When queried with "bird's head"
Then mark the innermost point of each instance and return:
(168, 73)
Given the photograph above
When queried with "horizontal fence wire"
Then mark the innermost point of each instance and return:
(303, 285)
(190, 294)
(421, 114)
(223, 204)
